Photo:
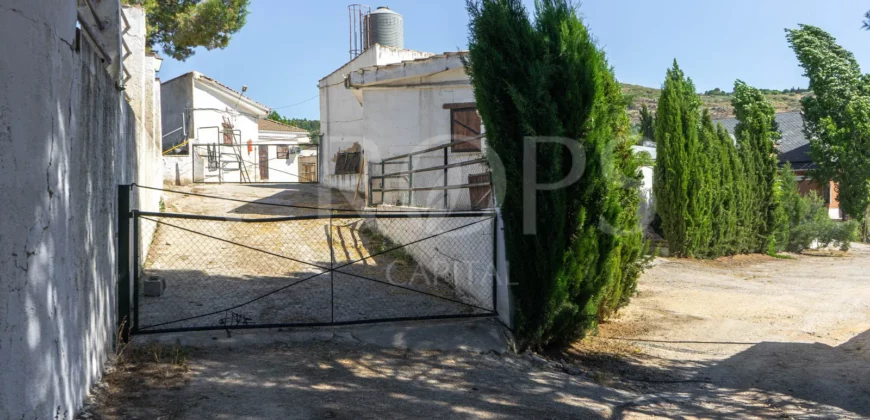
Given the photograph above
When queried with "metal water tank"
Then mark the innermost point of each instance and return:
(385, 27)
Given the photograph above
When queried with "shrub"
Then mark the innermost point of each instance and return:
(806, 220)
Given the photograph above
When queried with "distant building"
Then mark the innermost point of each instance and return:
(389, 102)
(214, 133)
(794, 148)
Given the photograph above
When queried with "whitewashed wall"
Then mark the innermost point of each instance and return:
(185, 169)
(400, 121)
(69, 138)
(341, 113)
(463, 257)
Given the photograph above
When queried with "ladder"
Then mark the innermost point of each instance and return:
(234, 157)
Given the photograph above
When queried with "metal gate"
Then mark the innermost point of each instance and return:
(204, 272)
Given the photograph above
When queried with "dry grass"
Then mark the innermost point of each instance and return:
(136, 370)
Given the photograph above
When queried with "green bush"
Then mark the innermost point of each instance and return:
(805, 218)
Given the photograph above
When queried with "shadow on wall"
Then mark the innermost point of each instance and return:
(57, 255)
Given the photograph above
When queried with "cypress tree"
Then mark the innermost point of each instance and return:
(647, 124)
(756, 134)
(677, 152)
(550, 79)
(731, 184)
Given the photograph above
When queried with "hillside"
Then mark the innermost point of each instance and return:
(719, 105)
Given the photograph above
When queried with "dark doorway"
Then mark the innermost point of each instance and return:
(264, 162)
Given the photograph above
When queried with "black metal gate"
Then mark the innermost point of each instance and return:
(194, 272)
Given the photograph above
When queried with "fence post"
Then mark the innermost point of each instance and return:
(411, 180)
(371, 185)
(123, 260)
(331, 273)
(446, 206)
(383, 180)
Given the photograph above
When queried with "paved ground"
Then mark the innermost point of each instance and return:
(231, 273)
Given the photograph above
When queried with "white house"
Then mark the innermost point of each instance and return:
(213, 134)
(389, 102)
(285, 153)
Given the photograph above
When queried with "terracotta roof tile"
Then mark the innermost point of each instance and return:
(269, 125)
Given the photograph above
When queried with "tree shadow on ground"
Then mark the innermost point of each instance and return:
(768, 379)
(309, 199)
(349, 381)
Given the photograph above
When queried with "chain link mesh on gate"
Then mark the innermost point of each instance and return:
(313, 270)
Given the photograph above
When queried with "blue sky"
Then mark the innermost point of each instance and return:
(288, 45)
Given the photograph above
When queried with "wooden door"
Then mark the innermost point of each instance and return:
(481, 197)
(264, 162)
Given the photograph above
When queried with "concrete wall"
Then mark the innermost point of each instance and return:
(142, 91)
(463, 257)
(176, 98)
(341, 113)
(68, 138)
(185, 169)
(409, 119)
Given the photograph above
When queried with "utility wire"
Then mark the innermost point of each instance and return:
(298, 103)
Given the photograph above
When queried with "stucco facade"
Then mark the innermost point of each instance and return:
(69, 137)
(200, 107)
(341, 113)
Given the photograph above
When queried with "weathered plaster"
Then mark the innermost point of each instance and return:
(63, 149)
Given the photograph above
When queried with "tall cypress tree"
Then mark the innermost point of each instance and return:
(756, 134)
(677, 152)
(731, 185)
(647, 123)
(549, 79)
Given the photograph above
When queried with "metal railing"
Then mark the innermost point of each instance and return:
(435, 177)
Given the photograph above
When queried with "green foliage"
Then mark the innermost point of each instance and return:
(647, 124)
(837, 116)
(548, 78)
(676, 131)
(805, 218)
(756, 134)
(715, 198)
(179, 26)
(312, 126)
(716, 92)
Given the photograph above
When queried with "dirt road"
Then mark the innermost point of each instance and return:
(748, 337)
(745, 333)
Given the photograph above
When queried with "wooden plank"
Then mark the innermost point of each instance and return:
(465, 124)
(461, 105)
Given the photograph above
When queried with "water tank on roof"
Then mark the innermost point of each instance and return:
(385, 27)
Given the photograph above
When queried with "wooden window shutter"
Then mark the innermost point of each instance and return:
(465, 123)
(283, 152)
